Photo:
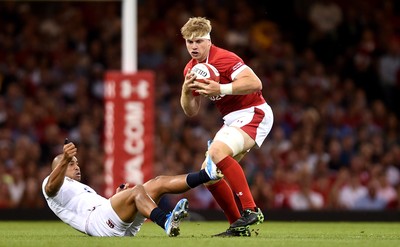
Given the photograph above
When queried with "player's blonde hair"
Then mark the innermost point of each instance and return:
(196, 27)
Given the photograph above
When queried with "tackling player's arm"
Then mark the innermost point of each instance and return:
(190, 103)
(60, 165)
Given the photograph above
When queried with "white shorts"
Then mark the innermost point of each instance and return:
(104, 222)
(256, 121)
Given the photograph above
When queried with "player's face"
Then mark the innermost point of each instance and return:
(73, 170)
(198, 48)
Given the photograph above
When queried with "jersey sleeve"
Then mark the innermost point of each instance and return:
(228, 64)
(43, 187)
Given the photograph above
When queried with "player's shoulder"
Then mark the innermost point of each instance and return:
(189, 65)
(223, 59)
(219, 52)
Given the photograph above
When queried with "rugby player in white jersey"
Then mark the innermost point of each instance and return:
(79, 206)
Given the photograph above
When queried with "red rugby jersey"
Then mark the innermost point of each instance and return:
(228, 64)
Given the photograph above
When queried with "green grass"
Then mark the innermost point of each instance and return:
(299, 234)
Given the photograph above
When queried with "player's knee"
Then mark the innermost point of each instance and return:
(155, 187)
(137, 190)
(216, 153)
(156, 182)
(158, 179)
(232, 138)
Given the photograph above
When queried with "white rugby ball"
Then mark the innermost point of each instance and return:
(205, 71)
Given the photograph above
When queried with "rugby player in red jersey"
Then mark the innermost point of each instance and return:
(247, 119)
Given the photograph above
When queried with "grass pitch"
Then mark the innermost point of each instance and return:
(299, 234)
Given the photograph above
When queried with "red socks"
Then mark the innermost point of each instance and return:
(223, 194)
(233, 172)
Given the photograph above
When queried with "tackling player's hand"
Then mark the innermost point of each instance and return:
(122, 187)
(69, 150)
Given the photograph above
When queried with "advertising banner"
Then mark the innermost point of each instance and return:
(129, 128)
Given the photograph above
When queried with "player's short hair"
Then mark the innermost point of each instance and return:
(56, 161)
(196, 27)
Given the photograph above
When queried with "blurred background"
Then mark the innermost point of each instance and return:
(330, 71)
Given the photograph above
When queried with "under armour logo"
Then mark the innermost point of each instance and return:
(239, 193)
(141, 89)
(217, 97)
(87, 190)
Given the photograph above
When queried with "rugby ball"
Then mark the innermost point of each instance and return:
(205, 71)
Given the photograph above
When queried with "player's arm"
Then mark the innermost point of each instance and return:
(190, 103)
(246, 82)
(60, 165)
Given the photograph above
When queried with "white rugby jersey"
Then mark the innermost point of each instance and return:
(73, 202)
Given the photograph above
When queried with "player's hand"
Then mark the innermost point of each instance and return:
(209, 88)
(187, 86)
(122, 187)
(69, 150)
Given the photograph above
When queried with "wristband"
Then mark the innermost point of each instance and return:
(226, 88)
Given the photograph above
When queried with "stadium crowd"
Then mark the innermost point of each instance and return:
(330, 71)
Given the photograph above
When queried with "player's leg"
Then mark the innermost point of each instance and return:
(246, 129)
(178, 184)
(233, 142)
(226, 199)
(129, 202)
(221, 152)
(161, 185)
(224, 195)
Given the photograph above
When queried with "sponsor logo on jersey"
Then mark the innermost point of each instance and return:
(110, 223)
(200, 72)
(87, 190)
(218, 97)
